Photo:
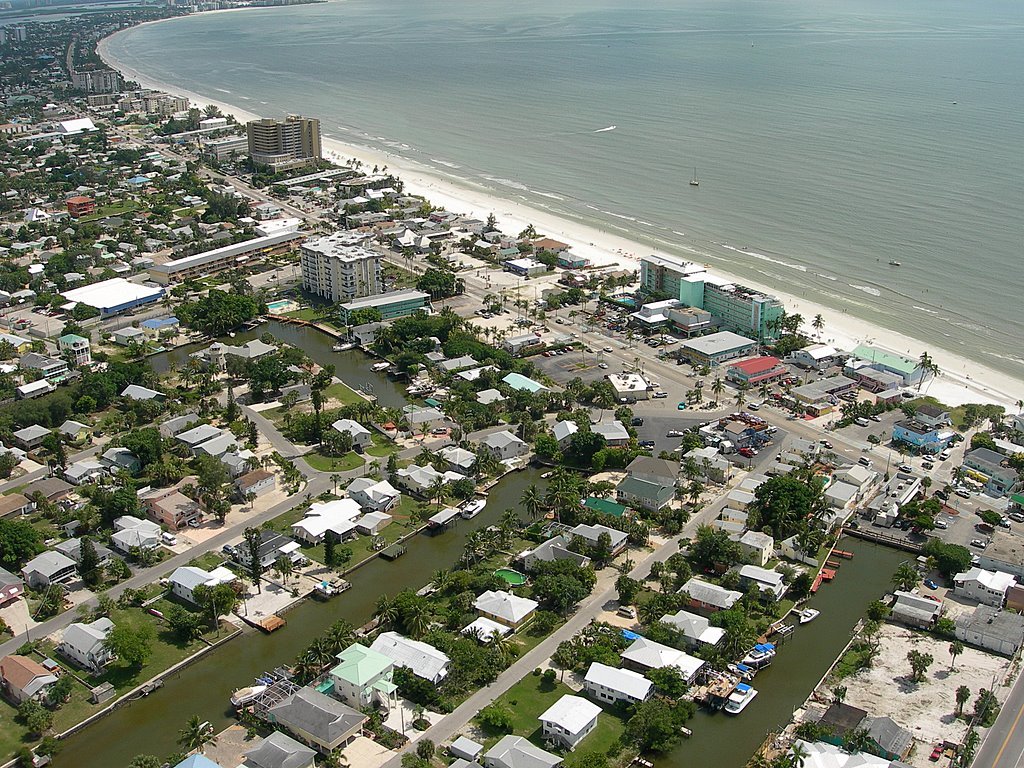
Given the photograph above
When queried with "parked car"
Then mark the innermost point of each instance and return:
(603, 366)
(681, 406)
(748, 452)
(930, 584)
(680, 433)
(636, 422)
(941, 525)
(963, 493)
(826, 444)
(647, 443)
(660, 395)
(978, 543)
(906, 468)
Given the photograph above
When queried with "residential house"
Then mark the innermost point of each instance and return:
(137, 392)
(591, 536)
(569, 720)
(563, 432)
(695, 630)
(756, 547)
(992, 629)
(31, 437)
(504, 445)
(915, 610)
(239, 462)
(375, 495)
(132, 532)
(840, 495)
(279, 750)
(613, 432)
(195, 436)
(186, 578)
(335, 516)
(272, 546)
(372, 523)
(52, 369)
(769, 582)
(76, 349)
(932, 415)
(11, 587)
(465, 749)
(73, 548)
(705, 596)
(986, 587)
(15, 504)
(713, 466)
(422, 419)
(516, 752)
(178, 424)
(420, 480)
(48, 568)
(320, 721)
(129, 335)
(992, 468)
(921, 437)
(23, 678)
(53, 489)
(360, 435)
(612, 685)
(74, 432)
(505, 608)
(422, 659)
(644, 654)
(257, 482)
(84, 471)
(639, 493)
(458, 459)
(490, 397)
(85, 644)
(555, 548)
(121, 460)
(364, 677)
(216, 447)
(892, 740)
(34, 389)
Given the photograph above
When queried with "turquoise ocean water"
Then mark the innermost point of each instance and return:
(829, 137)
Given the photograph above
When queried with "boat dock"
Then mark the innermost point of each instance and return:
(443, 519)
(267, 624)
(716, 692)
(393, 552)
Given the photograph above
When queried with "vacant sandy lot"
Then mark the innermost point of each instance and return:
(926, 709)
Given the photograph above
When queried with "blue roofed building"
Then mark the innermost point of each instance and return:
(157, 325)
(523, 383)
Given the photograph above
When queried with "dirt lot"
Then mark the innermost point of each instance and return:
(926, 708)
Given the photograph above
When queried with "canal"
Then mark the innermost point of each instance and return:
(150, 725)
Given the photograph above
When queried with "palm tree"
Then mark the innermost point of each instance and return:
(442, 579)
(818, 324)
(905, 577)
(798, 755)
(506, 647)
(386, 610)
(741, 395)
(925, 363)
(417, 620)
(694, 491)
(437, 491)
(195, 735)
(340, 635)
(532, 501)
(320, 652)
(955, 649)
(717, 388)
(285, 567)
(335, 479)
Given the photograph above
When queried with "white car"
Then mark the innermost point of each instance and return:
(963, 493)
(603, 366)
(675, 433)
(941, 525)
(659, 395)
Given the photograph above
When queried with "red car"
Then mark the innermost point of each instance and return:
(748, 452)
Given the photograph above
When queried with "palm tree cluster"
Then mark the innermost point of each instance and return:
(322, 652)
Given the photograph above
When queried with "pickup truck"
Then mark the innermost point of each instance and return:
(984, 528)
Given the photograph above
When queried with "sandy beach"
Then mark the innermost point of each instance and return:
(961, 380)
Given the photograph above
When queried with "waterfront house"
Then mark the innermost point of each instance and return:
(612, 685)
(23, 678)
(420, 480)
(187, 578)
(272, 546)
(257, 482)
(279, 750)
(457, 459)
(555, 548)
(359, 434)
(48, 568)
(568, 721)
(915, 610)
(516, 752)
(563, 432)
(769, 582)
(318, 720)
(695, 630)
(372, 523)
(986, 587)
(705, 596)
(591, 537)
(504, 607)
(840, 495)
(11, 587)
(644, 654)
(85, 644)
(422, 659)
(364, 677)
(504, 445)
(375, 495)
(613, 432)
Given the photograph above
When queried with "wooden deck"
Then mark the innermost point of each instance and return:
(267, 624)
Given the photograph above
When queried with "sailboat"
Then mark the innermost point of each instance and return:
(694, 182)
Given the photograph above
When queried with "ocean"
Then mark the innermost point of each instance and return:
(829, 138)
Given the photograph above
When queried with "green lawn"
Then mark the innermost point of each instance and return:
(304, 314)
(207, 561)
(381, 446)
(343, 394)
(322, 463)
(530, 697)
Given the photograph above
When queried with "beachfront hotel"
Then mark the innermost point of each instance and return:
(283, 144)
(338, 269)
(735, 307)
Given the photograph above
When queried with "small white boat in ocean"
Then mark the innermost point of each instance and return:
(740, 698)
(343, 347)
(471, 509)
(695, 182)
(761, 655)
(382, 366)
(546, 475)
(894, 263)
(808, 614)
(244, 696)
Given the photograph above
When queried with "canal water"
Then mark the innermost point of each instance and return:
(150, 725)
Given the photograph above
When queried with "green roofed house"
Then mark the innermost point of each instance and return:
(604, 506)
(364, 677)
(75, 349)
(638, 493)
(520, 382)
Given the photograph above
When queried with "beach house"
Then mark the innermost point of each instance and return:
(708, 597)
(695, 630)
(644, 654)
(568, 721)
(85, 644)
(422, 659)
(364, 677)
(986, 587)
(505, 608)
(516, 752)
(612, 685)
(318, 720)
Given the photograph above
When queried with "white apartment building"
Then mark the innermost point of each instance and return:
(337, 269)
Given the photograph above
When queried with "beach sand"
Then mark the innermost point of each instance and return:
(961, 380)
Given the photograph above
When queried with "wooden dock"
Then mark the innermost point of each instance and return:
(267, 624)
(393, 552)
(843, 554)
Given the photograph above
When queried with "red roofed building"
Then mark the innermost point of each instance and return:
(756, 370)
(80, 206)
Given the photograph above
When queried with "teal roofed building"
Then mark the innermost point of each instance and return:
(604, 506)
(523, 383)
(197, 761)
(909, 370)
(364, 677)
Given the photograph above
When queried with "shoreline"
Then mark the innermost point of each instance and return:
(961, 381)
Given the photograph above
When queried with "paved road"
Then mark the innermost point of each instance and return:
(16, 482)
(1004, 745)
(451, 724)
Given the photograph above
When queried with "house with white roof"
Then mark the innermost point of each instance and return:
(612, 685)
(48, 568)
(696, 630)
(422, 659)
(85, 645)
(569, 720)
(485, 629)
(504, 607)
(134, 532)
(458, 459)
(915, 610)
(591, 535)
(137, 392)
(419, 479)
(337, 516)
(756, 547)
(986, 587)
(646, 654)
(563, 432)
(709, 597)
(769, 582)
(555, 548)
(516, 752)
(198, 435)
(504, 445)
(375, 495)
(31, 436)
(490, 397)
(360, 435)
(185, 579)
(613, 432)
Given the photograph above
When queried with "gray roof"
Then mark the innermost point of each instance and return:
(887, 734)
(516, 752)
(316, 714)
(136, 392)
(279, 750)
(199, 434)
(31, 432)
(48, 563)
(501, 439)
(7, 578)
(717, 343)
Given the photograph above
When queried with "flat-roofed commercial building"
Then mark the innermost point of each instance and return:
(717, 348)
(113, 296)
(337, 269)
(219, 259)
(390, 305)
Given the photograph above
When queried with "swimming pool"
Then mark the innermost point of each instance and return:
(279, 304)
(511, 577)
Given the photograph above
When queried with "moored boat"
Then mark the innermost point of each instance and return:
(808, 615)
(382, 366)
(343, 347)
(761, 655)
(247, 695)
(471, 509)
(740, 698)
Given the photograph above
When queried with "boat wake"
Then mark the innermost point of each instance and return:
(605, 130)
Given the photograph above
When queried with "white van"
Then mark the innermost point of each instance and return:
(862, 422)
(864, 461)
(168, 538)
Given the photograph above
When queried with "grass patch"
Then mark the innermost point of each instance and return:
(308, 313)
(381, 446)
(343, 394)
(322, 463)
(207, 561)
(853, 661)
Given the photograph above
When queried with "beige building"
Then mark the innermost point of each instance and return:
(283, 144)
(338, 270)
